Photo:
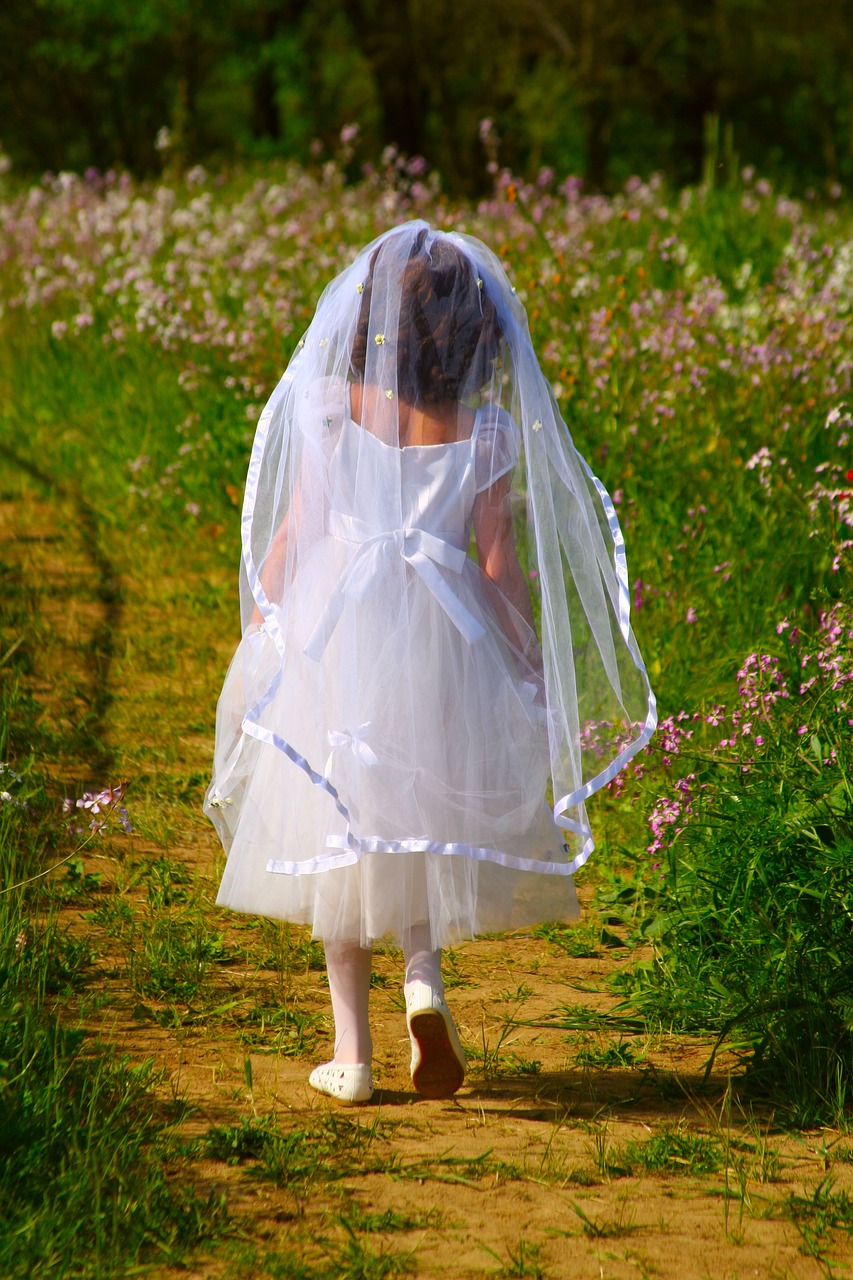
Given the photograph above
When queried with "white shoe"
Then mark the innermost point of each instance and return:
(349, 1083)
(438, 1063)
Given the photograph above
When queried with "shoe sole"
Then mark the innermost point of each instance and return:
(439, 1072)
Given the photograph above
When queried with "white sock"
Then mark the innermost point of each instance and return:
(422, 963)
(348, 968)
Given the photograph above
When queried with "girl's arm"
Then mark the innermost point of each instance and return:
(272, 572)
(499, 562)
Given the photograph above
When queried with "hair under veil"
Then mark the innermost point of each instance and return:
(396, 691)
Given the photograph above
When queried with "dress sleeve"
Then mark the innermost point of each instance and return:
(496, 446)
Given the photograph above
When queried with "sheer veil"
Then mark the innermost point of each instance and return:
(396, 626)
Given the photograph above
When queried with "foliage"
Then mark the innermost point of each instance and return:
(752, 922)
(605, 90)
(698, 345)
(85, 1167)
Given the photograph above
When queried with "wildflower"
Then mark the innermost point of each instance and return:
(639, 588)
(691, 615)
(761, 459)
(95, 803)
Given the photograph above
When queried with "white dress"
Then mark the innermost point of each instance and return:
(403, 776)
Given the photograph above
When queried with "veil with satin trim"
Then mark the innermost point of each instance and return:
(415, 383)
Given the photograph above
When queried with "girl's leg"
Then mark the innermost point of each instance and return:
(348, 968)
(422, 963)
(438, 1063)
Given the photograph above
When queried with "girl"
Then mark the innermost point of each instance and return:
(416, 517)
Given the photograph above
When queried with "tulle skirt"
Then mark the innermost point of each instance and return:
(436, 748)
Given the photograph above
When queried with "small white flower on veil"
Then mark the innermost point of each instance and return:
(324, 342)
(359, 287)
(389, 393)
(537, 426)
(379, 339)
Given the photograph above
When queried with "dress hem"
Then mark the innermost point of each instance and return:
(347, 852)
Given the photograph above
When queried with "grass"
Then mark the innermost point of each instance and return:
(124, 444)
(87, 1174)
(604, 1228)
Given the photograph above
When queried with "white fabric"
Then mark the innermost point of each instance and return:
(389, 728)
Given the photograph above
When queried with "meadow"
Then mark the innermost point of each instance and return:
(676, 1069)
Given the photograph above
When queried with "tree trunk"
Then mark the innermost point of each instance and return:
(266, 121)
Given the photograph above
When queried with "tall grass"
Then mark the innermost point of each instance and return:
(86, 1163)
(751, 914)
(698, 343)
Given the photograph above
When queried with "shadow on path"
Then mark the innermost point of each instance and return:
(88, 743)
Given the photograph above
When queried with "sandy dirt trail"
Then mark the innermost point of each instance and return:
(524, 1173)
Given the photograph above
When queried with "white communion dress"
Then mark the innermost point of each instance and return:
(395, 768)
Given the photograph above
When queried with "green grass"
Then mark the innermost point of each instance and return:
(675, 1151)
(674, 367)
(87, 1168)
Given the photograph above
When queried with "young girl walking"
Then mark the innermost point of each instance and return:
(437, 667)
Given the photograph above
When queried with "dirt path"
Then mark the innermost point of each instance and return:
(565, 1154)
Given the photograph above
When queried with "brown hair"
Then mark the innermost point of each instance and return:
(448, 331)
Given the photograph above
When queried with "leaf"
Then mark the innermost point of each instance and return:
(718, 986)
